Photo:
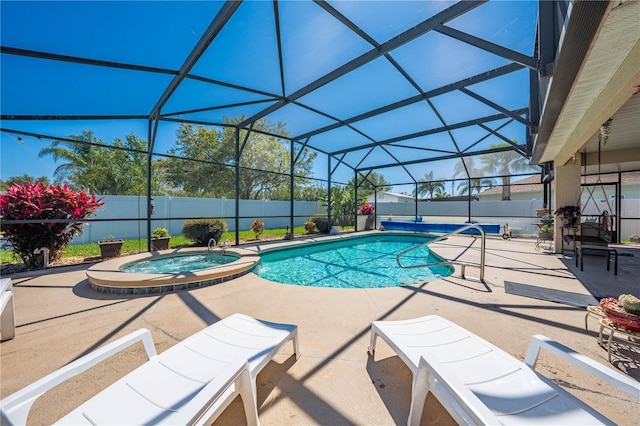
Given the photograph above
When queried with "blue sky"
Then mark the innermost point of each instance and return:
(161, 34)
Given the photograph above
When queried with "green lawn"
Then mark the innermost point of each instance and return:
(139, 245)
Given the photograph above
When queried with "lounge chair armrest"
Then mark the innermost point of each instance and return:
(15, 408)
(462, 404)
(609, 375)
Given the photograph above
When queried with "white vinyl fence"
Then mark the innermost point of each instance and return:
(274, 214)
(519, 214)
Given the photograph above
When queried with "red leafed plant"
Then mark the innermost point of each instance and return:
(366, 208)
(35, 201)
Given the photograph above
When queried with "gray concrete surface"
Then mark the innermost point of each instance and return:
(335, 382)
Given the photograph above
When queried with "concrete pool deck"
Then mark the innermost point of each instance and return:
(335, 382)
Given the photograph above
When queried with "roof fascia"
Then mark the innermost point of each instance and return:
(582, 26)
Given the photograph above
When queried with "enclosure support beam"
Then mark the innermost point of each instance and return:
(469, 200)
(292, 182)
(237, 186)
(415, 201)
(329, 173)
(355, 197)
(150, 137)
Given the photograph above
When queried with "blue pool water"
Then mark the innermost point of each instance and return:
(363, 262)
(179, 263)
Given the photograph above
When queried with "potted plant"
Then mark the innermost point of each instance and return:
(546, 232)
(110, 247)
(339, 199)
(160, 239)
(542, 212)
(568, 214)
(547, 219)
(365, 216)
(257, 227)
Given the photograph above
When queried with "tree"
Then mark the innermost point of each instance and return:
(426, 185)
(264, 161)
(503, 164)
(22, 180)
(374, 182)
(210, 174)
(303, 190)
(90, 164)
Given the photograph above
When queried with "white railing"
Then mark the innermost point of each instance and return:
(450, 261)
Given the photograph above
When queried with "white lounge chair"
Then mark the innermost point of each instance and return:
(190, 383)
(478, 383)
(7, 310)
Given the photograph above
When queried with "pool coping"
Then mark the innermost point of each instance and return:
(107, 277)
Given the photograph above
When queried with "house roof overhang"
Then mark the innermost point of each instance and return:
(597, 72)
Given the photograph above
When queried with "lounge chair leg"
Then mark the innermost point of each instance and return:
(247, 390)
(296, 343)
(372, 343)
(422, 382)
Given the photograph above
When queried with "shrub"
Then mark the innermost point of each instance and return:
(310, 226)
(202, 230)
(43, 203)
(257, 227)
(160, 233)
(321, 222)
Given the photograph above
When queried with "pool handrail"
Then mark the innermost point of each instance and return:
(448, 262)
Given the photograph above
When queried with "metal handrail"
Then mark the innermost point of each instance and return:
(448, 262)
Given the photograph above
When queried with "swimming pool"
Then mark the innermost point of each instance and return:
(354, 262)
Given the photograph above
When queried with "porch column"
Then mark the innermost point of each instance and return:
(567, 178)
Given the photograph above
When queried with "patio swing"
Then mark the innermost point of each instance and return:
(597, 227)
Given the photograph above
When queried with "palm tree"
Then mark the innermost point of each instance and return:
(475, 184)
(503, 164)
(442, 194)
(461, 170)
(76, 155)
(426, 185)
(89, 163)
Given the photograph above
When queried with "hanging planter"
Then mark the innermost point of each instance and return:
(569, 215)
